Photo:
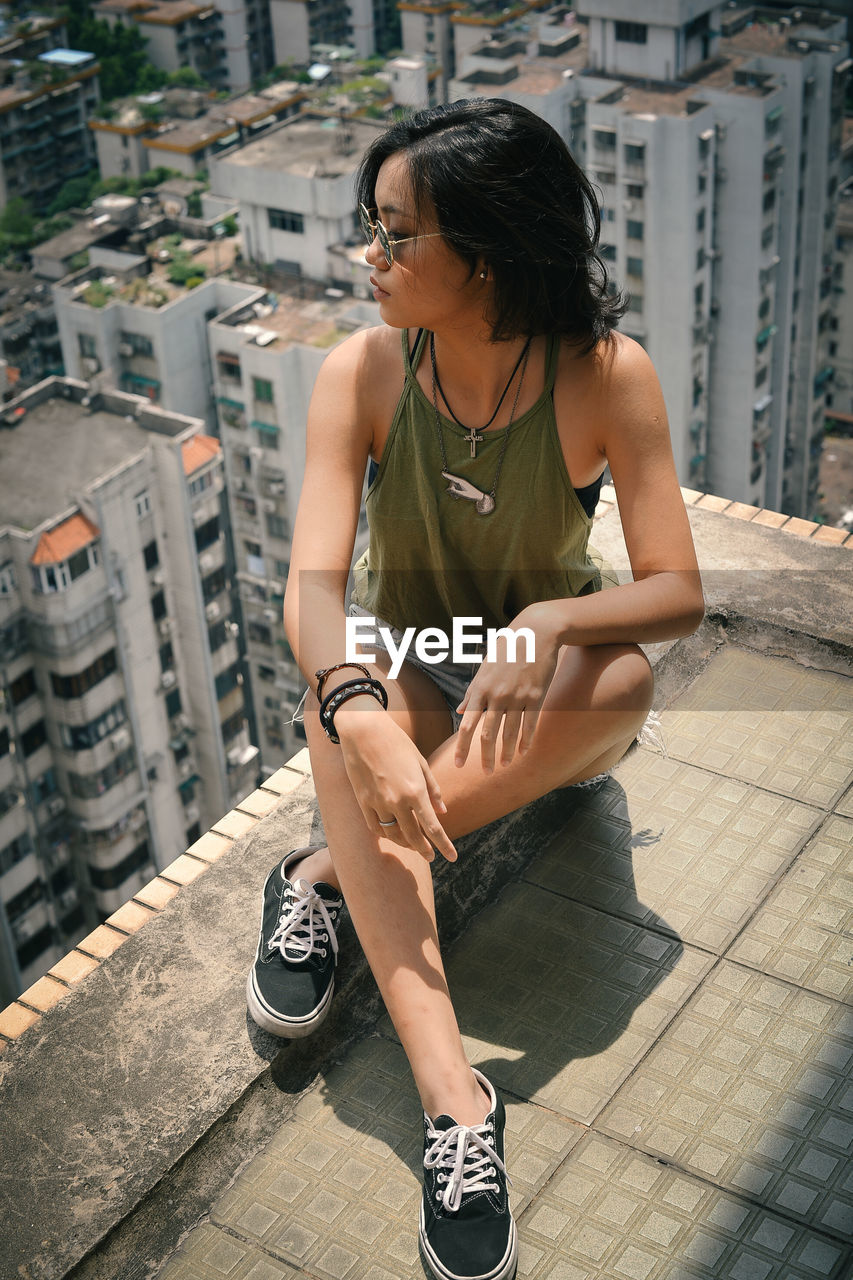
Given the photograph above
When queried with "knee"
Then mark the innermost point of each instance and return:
(631, 680)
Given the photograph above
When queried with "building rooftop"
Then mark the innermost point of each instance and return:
(309, 146)
(283, 320)
(64, 539)
(655, 974)
(81, 447)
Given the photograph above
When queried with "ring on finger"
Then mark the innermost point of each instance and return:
(392, 822)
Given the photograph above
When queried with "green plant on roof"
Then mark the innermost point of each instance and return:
(98, 294)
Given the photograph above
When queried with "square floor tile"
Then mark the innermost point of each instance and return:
(845, 804)
(768, 721)
(804, 932)
(750, 1088)
(210, 1254)
(557, 1002)
(611, 1213)
(337, 1191)
(677, 848)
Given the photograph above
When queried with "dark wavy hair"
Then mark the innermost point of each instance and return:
(506, 190)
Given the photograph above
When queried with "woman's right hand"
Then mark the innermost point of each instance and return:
(391, 779)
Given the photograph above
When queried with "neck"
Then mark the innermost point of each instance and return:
(474, 370)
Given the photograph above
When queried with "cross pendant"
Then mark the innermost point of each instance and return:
(474, 440)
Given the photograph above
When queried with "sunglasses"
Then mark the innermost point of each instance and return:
(376, 231)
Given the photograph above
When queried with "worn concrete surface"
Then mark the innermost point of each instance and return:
(663, 999)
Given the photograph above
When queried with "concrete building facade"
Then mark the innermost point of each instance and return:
(123, 730)
(714, 138)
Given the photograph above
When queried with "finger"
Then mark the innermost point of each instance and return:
(465, 733)
(489, 728)
(412, 835)
(509, 737)
(436, 834)
(433, 788)
(531, 719)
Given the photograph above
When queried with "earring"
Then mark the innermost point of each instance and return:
(483, 275)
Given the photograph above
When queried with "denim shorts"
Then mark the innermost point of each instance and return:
(451, 678)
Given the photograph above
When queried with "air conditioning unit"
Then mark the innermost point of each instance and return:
(191, 814)
(125, 349)
(268, 505)
(91, 365)
(277, 487)
(212, 611)
(120, 739)
(158, 578)
(206, 562)
(68, 898)
(271, 615)
(185, 768)
(165, 627)
(55, 806)
(168, 680)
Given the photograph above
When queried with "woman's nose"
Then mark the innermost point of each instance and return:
(374, 255)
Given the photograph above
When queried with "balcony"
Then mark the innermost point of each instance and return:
(657, 979)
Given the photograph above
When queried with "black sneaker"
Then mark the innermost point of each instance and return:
(290, 985)
(466, 1229)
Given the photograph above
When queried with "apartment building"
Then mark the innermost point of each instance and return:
(229, 45)
(840, 397)
(44, 116)
(714, 138)
(266, 352)
(365, 27)
(448, 30)
(123, 732)
(294, 186)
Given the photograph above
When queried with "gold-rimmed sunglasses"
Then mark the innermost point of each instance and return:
(376, 231)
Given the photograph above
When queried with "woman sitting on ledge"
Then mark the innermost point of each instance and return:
(492, 399)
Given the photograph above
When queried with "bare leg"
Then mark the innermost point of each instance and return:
(597, 702)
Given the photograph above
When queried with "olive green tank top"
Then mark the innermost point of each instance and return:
(433, 557)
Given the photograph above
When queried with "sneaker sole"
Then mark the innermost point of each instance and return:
(275, 1024)
(505, 1270)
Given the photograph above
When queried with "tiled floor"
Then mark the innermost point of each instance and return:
(665, 1002)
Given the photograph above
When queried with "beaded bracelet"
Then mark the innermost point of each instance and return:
(321, 676)
(341, 694)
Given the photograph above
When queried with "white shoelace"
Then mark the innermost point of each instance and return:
(466, 1161)
(304, 924)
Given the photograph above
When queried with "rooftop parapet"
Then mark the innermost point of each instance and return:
(133, 1085)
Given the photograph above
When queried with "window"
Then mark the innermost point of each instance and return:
(282, 568)
(607, 252)
(700, 257)
(266, 674)
(22, 688)
(700, 220)
(278, 526)
(202, 482)
(151, 555)
(699, 294)
(88, 346)
(635, 302)
(769, 199)
(761, 375)
(173, 703)
(75, 686)
(137, 343)
(87, 786)
(768, 236)
(635, 152)
(213, 584)
(635, 191)
(158, 605)
(226, 681)
(634, 229)
(217, 635)
(207, 533)
(701, 182)
(262, 390)
(48, 578)
(7, 578)
(34, 737)
(228, 366)
(4, 742)
(167, 656)
(15, 852)
(111, 877)
(44, 786)
(143, 504)
(83, 737)
(631, 32)
(605, 139)
(284, 220)
(267, 436)
(635, 267)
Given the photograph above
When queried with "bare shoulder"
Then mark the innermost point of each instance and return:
(628, 397)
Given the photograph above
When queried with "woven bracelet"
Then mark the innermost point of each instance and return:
(322, 675)
(343, 692)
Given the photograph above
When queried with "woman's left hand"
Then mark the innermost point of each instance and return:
(506, 696)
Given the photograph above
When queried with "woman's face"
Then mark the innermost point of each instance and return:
(428, 285)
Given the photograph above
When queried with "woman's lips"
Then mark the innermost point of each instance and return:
(378, 291)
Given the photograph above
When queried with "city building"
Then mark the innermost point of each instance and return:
(266, 352)
(714, 138)
(123, 731)
(29, 339)
(302, 31)
(179, 128)
(44, 116)
(294, 185)
(840, 397)
(229, 46)
(447, 30)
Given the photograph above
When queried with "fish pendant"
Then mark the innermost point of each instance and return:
(459, 488)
